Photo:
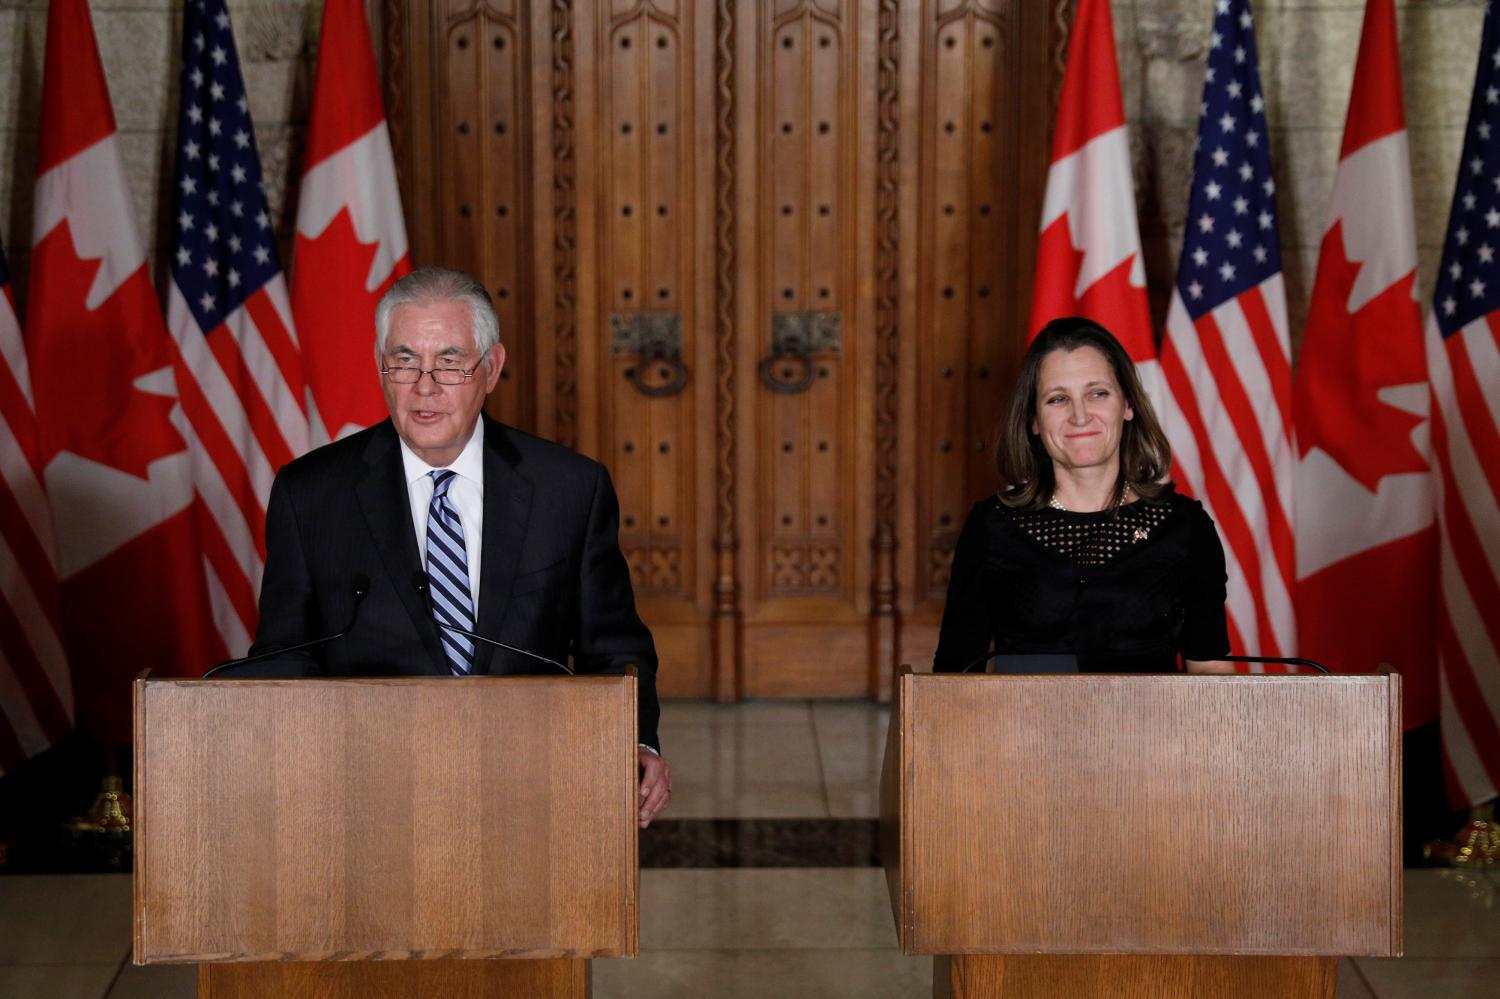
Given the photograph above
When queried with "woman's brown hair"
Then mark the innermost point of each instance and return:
(1023, 463)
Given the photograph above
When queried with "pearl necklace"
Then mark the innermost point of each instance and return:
(1056, 503)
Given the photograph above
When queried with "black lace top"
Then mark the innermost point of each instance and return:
(1126, 590)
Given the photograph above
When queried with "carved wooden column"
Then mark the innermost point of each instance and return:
(726, 609)
(885, 655)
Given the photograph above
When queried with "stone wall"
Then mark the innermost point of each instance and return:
(140, 45)
(1307, 52)
(1307, 58)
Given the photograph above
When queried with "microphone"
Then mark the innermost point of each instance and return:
(1278, 660)
(420, 584)
(361, 587)
(1281, 661)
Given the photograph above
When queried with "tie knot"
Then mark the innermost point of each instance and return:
(442, 478)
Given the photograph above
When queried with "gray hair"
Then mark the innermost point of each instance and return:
(429, 285)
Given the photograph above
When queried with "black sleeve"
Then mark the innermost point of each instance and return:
(965, 633)
(288, 611)
(1205, 633)
(608, 633)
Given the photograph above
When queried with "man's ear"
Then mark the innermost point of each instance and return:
(494, 363)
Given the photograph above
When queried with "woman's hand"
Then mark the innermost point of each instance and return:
(1208, 666)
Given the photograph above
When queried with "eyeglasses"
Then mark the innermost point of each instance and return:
(404, 375)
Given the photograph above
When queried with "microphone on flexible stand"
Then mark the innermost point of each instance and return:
(361, 587)
(420, 584)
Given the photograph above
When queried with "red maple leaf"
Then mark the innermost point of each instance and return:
(335, 318)
(1111, 301)
(84, 362)
(1346, 359)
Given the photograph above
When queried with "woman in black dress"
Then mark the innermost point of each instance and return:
(1088, 550)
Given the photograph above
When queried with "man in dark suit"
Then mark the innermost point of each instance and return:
(448, 516)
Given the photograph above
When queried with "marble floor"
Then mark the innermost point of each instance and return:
(741, 931)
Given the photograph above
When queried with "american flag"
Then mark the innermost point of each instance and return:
(242, 388)
(1463, 358)
(1225, 357)
(36, 695)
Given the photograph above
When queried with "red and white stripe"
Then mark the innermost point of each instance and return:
(241, 393)
(1227, 413)
(1465, 375)
(36, 693)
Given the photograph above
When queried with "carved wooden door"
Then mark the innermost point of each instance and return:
(769, 262)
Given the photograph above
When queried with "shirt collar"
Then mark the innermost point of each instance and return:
(469, 464)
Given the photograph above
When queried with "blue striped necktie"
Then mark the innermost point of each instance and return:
(448, 575)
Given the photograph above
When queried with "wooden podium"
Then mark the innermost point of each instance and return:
(1145, 836)
(374, 838)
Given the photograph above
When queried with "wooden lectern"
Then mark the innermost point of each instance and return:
(1144, 836)
(352, 838)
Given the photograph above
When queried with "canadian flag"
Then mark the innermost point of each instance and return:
(114, 460)
(1089, 257)
(1366, 535)
(351, 240)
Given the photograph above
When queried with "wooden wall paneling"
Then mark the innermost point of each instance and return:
(986, 114)
(806, 513)
(726, 647)
(837, 545)
(458, 88)
(505, 213)
(654, 238)
(581, 347)
(880, 236)
(908, 106)
(538, 260)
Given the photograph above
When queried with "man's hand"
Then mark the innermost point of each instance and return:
(656, 785)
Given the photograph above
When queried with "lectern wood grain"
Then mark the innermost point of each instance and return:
(524, 979)
(1132, 976)
(1148, 814)
(322, 820)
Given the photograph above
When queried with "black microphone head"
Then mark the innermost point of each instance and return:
(419, 582)
(361, 585)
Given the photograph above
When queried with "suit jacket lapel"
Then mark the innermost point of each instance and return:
(386, 505)
(507, 509)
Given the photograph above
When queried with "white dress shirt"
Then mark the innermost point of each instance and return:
(465, 493)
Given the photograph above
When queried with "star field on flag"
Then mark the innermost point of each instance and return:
(225, 248)
(1231, 237)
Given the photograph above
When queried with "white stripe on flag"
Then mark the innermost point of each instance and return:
(1250, 366)
(1463, 758)
(222, 398)
(13, 348)
(221, 504)
(1463, 461)
(23, 484)
(279, 397)
(1468, 625)
(15, 705)
(1484, 355)
(43, 639)
(225, 619)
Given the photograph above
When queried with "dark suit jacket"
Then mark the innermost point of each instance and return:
(552, 578)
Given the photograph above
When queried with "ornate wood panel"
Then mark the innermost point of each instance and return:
(464, 123)
(983, 116)
(769, 261)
